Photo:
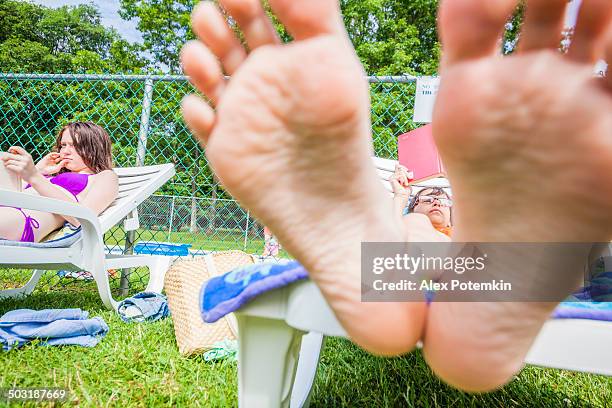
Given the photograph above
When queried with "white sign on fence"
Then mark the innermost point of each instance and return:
(601, 68)
(426, 92)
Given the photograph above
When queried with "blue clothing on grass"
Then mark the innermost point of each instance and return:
(144, 306)
(54, 327)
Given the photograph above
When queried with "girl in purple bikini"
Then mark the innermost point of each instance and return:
(79, 170)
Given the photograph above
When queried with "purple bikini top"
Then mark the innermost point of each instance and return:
(74, 183)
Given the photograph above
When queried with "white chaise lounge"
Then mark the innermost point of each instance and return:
(86, 251)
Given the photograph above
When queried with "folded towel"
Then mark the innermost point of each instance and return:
(144, 306)
(224, 294)
(594, 301)
(54, 327)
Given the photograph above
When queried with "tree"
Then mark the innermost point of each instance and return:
(164, 26)
(390, 36)
(394, 37)
(38, 39)
(35, 38)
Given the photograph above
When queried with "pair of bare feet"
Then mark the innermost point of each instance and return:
(527, 141)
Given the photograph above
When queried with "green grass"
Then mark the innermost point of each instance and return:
(138, 365)
(221, 240)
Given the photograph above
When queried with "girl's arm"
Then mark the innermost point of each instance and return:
(401, 190)
(101, 194)
(20, 162)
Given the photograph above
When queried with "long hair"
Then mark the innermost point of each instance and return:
(91, 142)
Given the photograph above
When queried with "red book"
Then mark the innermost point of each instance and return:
(417, 152)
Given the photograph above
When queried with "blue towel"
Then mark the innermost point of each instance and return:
(591, 302)
(224, 294)
(144, 306)
(54, 327)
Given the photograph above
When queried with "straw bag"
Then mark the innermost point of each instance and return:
(183, 283)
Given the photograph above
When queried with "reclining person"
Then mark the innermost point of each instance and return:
(79, 170)
(428, 217)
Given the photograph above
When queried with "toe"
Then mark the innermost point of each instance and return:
(593, 22)
(199, 116)
(472, 28)
(543, 24)
(253, 21)
(203, 69)
(308, 18)
(212, 28)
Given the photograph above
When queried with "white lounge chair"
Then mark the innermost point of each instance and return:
(281, 334)
(272, 349)
(87, 252)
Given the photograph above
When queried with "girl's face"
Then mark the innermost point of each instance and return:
(73, 161)
(437, 208)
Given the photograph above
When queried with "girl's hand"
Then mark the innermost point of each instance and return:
(399, 181)
(20, 162)
(50, 164)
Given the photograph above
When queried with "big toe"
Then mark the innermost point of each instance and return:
(308, 18)
(472, 28)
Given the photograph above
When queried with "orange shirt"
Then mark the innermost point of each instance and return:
(446, 231)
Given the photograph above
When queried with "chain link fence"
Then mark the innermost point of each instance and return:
(142, 115)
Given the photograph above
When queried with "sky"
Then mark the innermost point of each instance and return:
(109, 11)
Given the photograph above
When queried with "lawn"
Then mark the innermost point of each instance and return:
(220, 240)
(139, 365)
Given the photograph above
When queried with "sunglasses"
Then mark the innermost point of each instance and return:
(444, 202)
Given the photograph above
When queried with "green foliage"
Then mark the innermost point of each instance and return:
(513, 29)
(67, 39)
(164, 25)
(392, 37)
(20, 55)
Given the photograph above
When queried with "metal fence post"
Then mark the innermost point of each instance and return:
(141, 151)
(246, 230)
(171, 217)
(145, 117)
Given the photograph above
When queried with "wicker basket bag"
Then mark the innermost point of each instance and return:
(183, 283)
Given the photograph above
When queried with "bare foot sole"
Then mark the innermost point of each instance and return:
(530, 160)
(290, 139)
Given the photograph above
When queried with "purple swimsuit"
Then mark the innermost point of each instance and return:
(74, 183)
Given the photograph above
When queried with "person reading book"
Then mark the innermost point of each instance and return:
(78, 170)
(427, 217)
(522, 152)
